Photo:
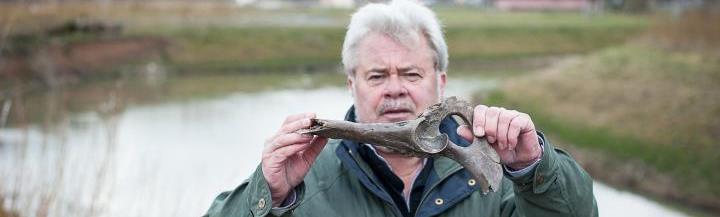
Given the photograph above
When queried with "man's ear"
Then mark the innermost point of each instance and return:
(442, 80)
(349, 84)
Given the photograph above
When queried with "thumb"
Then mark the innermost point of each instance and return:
(465, 132)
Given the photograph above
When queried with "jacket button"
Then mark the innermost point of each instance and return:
(261, 203)
(471, 182)
(540, 179)
(439, 201)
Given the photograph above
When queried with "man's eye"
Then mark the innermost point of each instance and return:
(413, 76)
(375, 77)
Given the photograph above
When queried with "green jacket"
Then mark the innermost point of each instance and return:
(340, 183)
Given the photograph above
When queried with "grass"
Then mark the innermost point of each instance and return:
(211, 43)
(635, 101)
(289, 48)
(222, 37)
(511, 42)
(691, 32)
(218, 39)
(255, 48)
(695, 169)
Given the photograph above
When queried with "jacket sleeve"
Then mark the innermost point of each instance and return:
(557, 187)
(251, 198)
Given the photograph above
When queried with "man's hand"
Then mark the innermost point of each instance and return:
(509, 132)
(287, 156)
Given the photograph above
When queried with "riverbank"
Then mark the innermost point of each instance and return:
(162, 148)
(205, 50)
(215, 50)
(473, 37)
(218, 38)
(641, 115)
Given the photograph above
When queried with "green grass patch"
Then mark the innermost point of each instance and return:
(473, 36)
(695, 169)
(633, 101)
(473, 17)
(223, 37)
(511, 42)
(274, 49)
(255, 49)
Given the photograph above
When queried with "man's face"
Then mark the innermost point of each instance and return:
(392, 82)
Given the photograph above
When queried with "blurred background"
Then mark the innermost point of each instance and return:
(152, 108)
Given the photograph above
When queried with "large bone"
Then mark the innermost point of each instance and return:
(421, 137)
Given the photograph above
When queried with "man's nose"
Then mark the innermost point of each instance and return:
(394, 88)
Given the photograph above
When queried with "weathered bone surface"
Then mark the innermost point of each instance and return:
(421, 137)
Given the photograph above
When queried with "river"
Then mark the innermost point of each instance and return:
(171, 158)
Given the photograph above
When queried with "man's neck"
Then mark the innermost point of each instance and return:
(406, 168)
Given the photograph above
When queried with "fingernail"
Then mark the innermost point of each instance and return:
(479, 131)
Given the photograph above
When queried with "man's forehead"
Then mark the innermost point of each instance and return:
(376, 49)
(379, 41)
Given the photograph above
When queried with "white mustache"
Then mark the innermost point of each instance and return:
(394, 105)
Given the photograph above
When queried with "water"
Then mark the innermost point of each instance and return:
(173, 158)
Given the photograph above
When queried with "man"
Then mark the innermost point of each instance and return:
(395, 58)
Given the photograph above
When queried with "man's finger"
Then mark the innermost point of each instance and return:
(479, 120)
(289, 139)
(295, 125)
(504, 119)
(491, 122)
(289, 150)
(513, 134)
(295, 117)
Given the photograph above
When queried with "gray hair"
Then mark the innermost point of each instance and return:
(400, 19)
